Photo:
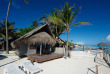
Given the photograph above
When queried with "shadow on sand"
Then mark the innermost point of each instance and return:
(100, 62)
(8, 63)
(3, 57)
(90, 69)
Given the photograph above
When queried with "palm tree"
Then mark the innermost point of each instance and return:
(60, 29)
(7, 51)
(44, 20)
(54, 22)
(22, 32)
(68, 16)
(34, 24)
(10, 28)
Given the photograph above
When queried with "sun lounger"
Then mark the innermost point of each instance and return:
(30, 68)
(12, 68)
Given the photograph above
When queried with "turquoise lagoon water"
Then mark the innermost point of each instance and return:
(94, 47)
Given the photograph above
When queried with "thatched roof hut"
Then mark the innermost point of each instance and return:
(41, 34)
(102, 43)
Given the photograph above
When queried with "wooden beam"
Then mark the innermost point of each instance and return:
(109, 57)
(50, 48)
(83, 48)
(96, 69)
(90, 49)
(28, 49)
(40, 48)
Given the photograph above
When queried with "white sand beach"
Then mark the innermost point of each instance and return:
(79, 63)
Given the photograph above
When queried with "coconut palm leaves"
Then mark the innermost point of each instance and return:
(22, 32)
(44, 20)
(67, 15)
(26, 1)
(11, 30)
(81, 23)
(54, 22)
(34, 24)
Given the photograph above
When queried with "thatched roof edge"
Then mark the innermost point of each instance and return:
(29, 34)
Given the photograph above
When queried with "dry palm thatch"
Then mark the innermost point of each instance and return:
(41, 34)
(102, 43)
(41, 37)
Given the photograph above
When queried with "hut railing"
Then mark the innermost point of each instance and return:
(106, 57)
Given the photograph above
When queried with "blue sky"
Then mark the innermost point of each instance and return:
(97, 12)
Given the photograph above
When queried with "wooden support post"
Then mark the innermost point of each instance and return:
(90, 49)
(40, 48)
(107, 57)
(87, 49)
(50, 48)
(2, 46)
(104, 54)
(96, 69)
(83, 48)
(100, 54)
(28, 49)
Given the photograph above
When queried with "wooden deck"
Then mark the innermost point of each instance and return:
(41, 58)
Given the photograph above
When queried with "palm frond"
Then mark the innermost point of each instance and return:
(26, 1)
(55, 20)
(81, 23)
(73, 15)
(42, 18)
(2, 35)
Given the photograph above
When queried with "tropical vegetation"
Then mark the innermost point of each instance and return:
(59, 21)
(7, 51)
(70, 43)
(65, 17)
(11, 30)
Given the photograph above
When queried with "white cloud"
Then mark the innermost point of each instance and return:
(108, 38)
(82, 43)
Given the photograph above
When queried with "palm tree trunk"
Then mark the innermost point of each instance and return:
(2, 46)
(7, 51)
(56, 31)
(66, 53)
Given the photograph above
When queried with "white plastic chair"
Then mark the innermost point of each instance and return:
(12, 68)
(30, 68)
